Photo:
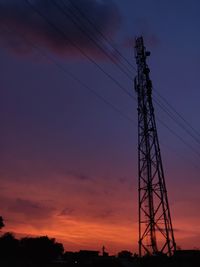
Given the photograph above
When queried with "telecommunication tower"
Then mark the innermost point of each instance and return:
(155, 225)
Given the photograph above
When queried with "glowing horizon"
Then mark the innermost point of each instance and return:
(68, 161)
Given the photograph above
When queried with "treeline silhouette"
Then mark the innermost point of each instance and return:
(29, 249)
(46, 252)
(43, 251)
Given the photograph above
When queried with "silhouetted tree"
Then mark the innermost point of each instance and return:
(9, 247)
(41, 249)
(1, 222)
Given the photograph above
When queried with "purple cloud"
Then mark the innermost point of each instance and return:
(30, 208)
(57, 32)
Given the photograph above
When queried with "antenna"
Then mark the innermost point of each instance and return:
(155, 226)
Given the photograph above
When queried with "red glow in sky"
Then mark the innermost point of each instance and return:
(68, 165)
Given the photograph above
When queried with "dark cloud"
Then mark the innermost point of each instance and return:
(105, 213)
(20, 22)
(30, 208)
(66, 212)
(80, 176)
(89, 212)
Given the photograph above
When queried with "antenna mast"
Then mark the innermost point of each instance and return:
(155, 226)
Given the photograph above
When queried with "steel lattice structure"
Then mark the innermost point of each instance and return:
(155, 225)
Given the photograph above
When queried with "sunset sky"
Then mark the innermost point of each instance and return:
(68, 158)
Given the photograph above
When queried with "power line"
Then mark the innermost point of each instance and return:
(164, 109)
(92, 60)
(70, 74)
(79, 49)
(179, 137)
(85, 54)
(74, 77)
(169, 105)
(85, 32)
(96, 28)
(176, 112)
(176, 121)
(157, 101)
